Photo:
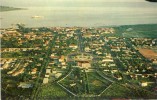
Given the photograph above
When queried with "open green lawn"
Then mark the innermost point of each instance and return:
(117, 90)
(141, 31)
(96, 83)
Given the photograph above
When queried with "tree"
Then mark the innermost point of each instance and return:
(23, 29)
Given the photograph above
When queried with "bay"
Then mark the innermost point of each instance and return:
(80, 16)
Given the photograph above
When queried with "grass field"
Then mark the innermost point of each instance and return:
(140, 31)
(119, 90)
(52, 90)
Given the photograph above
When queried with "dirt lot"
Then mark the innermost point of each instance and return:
(148, 53)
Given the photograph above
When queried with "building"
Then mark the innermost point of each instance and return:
(87, 35)
(57, 75)
(48, 71)
(5, 66)
(45, 80)
(84, 64)
(73, 46)
(143, 84)
(34, 70)
(25, 85)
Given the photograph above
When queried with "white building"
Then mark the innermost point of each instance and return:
(45, 80)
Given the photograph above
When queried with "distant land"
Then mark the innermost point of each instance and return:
(6, 8)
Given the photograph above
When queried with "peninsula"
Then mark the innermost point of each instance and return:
(6, 8)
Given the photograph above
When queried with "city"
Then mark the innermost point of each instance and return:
(79, 62)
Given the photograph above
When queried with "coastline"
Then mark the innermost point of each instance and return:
(6, 8)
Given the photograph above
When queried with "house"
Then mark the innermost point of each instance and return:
(18, 72)
(5, 66)
(89, 70)
(45, 80)
(9, 61)
(62, 58)
(143, 84)
(34, 77)
(107, 60)
(112, 65)
(56, 46)
(53, 56)
(119, 78)
(41, 59)
(114, 70)
(54, 72)
(24, 49)
(39, 64)
(25, 85)
(87, 49)
(2, 61)
(155, 62)
(114, 48)
(73, 84)
(63, 63)
(98, 52)
(34, 70)
(87, 35)
(48, 71)
(73, 46)
(57, 75)
(103, 64)
(106, 70)
(112, 38)
(47, 75)
(64, 67)
(69, 34)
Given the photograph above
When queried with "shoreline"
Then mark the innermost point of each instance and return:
(7, 8)
(85, 26)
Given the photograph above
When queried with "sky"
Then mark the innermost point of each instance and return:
(67, 3)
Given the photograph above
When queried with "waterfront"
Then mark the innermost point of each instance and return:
(79, 62)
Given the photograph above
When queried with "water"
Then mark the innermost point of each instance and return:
(90, 16)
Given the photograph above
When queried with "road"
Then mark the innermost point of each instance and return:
(80, 42)
(44, 65)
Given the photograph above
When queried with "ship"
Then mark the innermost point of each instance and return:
(37, 16)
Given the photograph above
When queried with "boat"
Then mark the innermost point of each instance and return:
(37, 16)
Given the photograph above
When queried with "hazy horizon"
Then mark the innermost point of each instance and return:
(77, 3)
(80, 12)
